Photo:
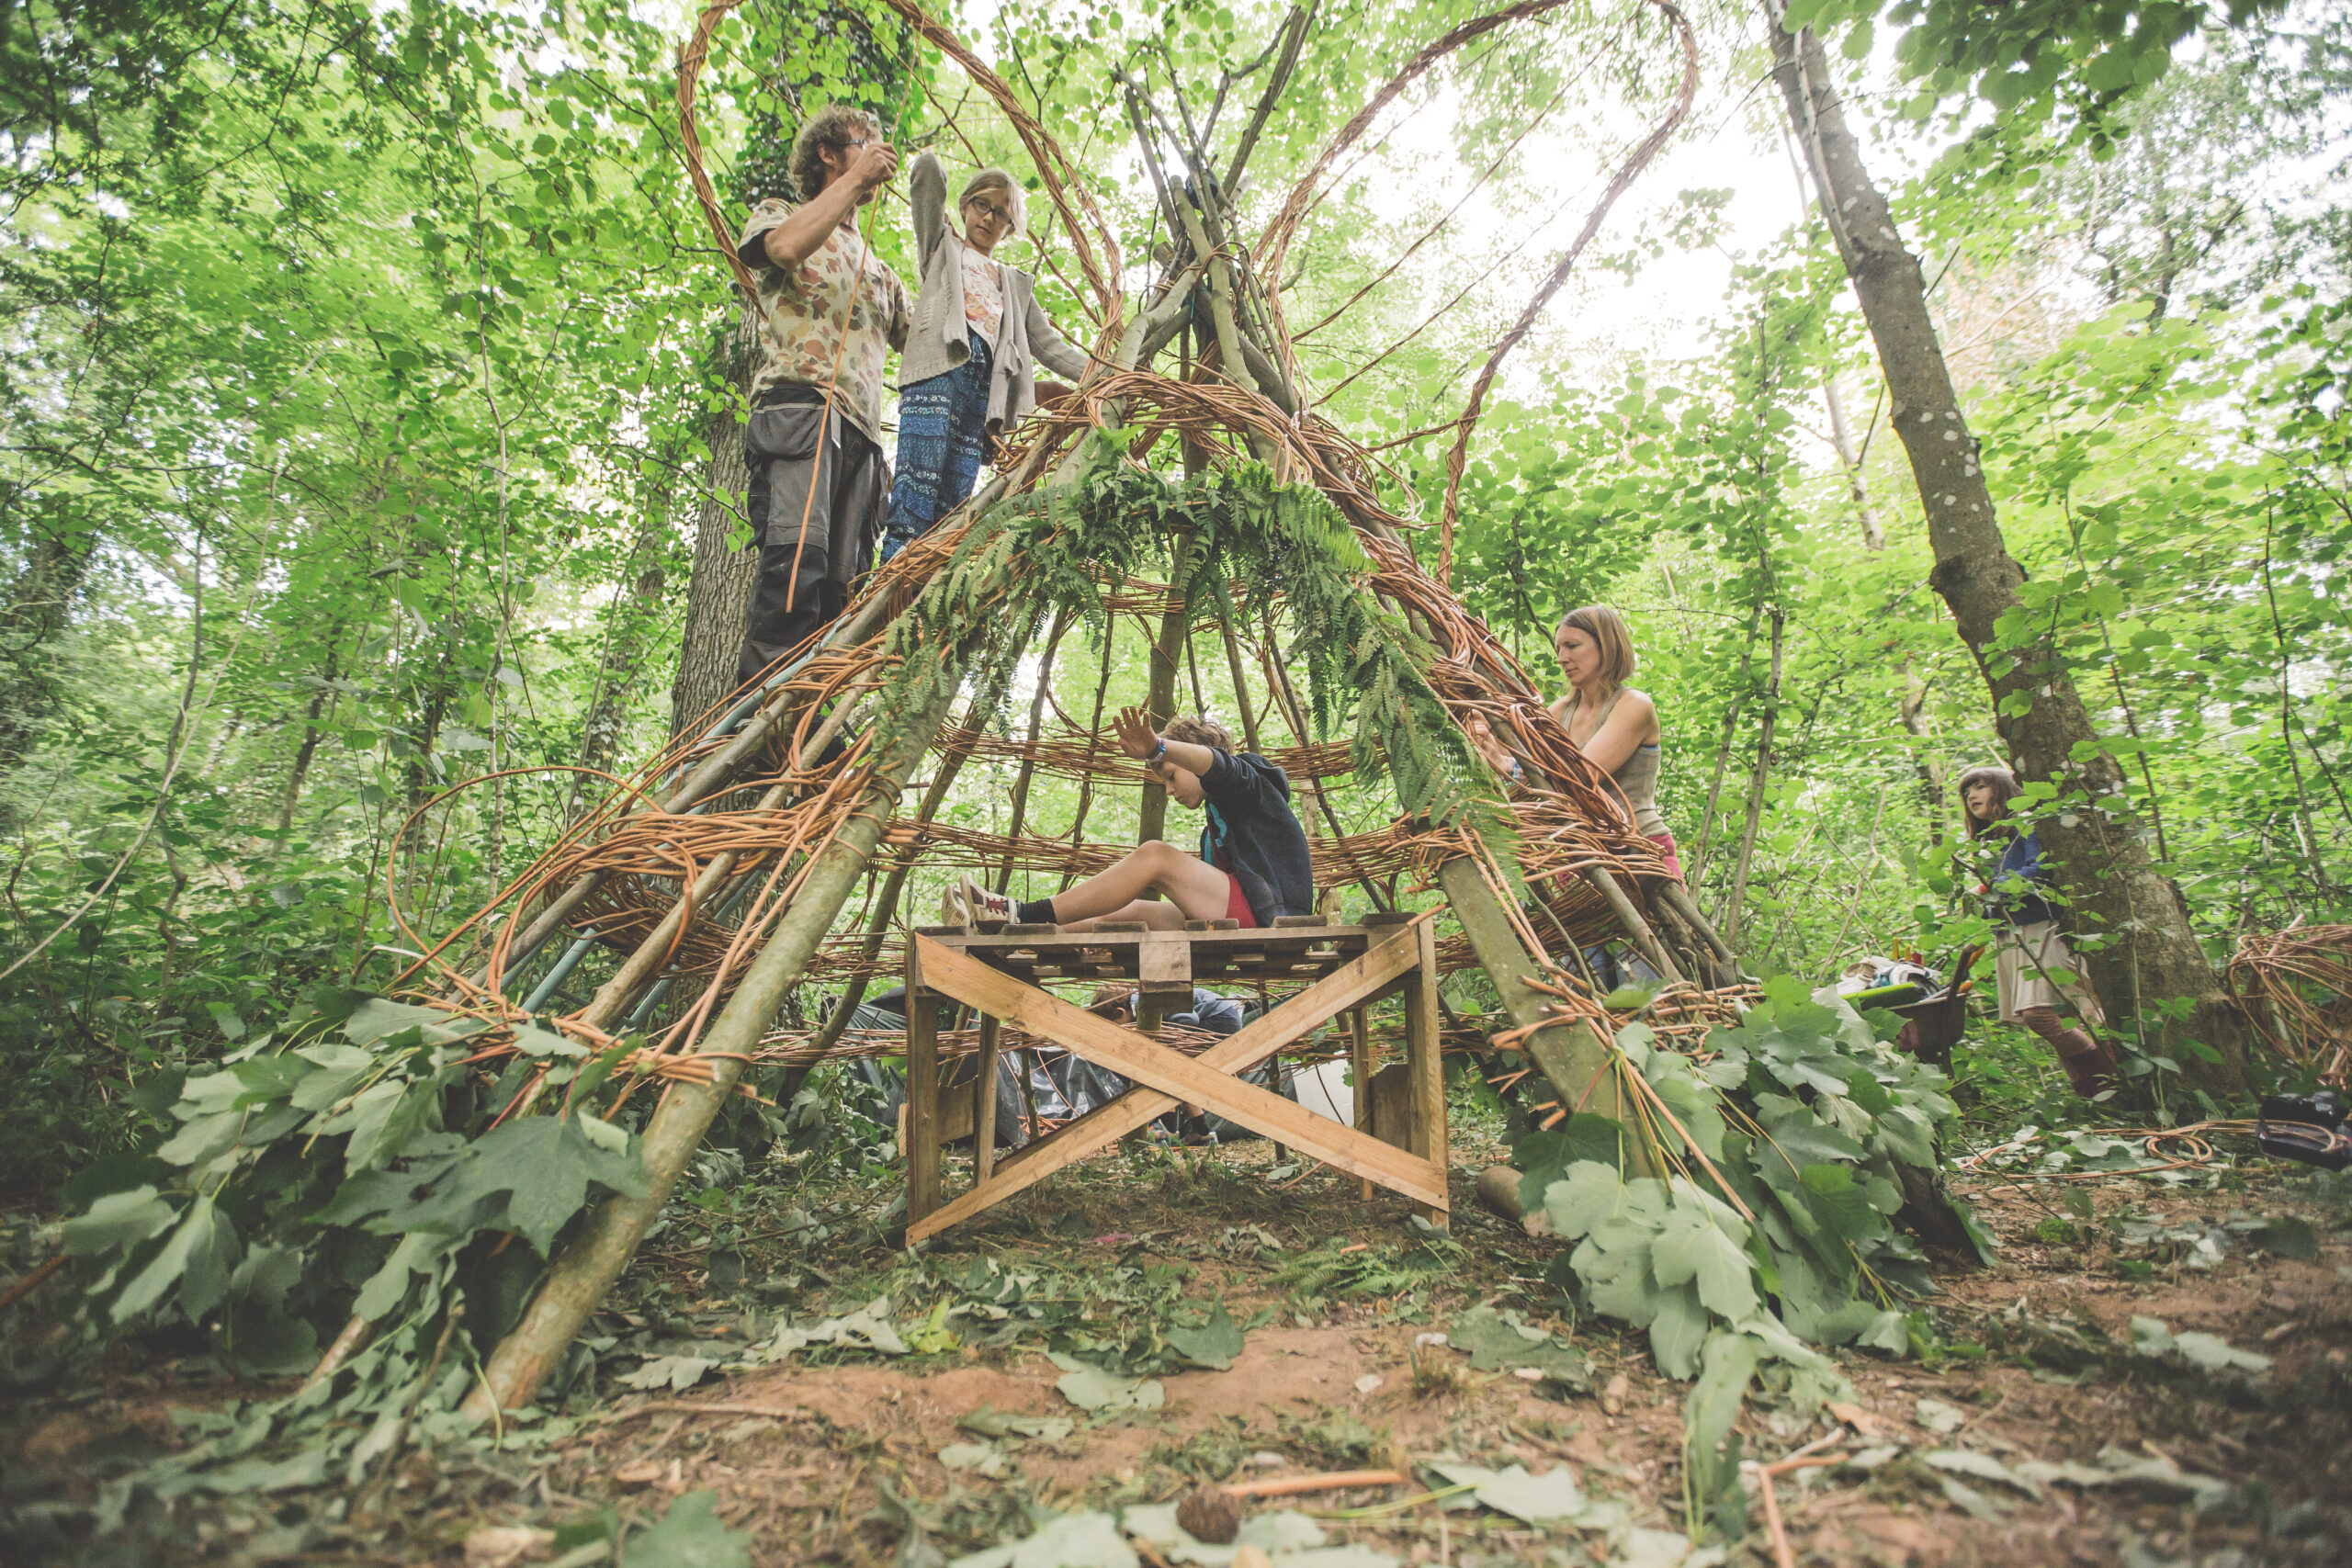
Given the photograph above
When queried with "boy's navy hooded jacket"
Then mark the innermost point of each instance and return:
(2013, 886)
(1253, 834)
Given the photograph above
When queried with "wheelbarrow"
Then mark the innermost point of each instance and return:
(1932, 1024)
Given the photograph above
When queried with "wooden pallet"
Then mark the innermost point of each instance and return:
(1344, 969)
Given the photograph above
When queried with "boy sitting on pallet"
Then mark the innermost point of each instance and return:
(1252, 868)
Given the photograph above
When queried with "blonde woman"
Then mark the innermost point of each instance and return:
(1614, 725)
(970, 367)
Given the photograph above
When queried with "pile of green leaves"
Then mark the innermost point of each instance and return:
(1782, 1237)
(1400, 1276)
(345, 1170)
(1132, 1319)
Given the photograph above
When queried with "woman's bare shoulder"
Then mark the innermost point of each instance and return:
(1643, 711)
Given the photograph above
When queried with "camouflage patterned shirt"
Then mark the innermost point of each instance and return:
(809, 330)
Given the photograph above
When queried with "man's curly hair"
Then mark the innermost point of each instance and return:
(835, 127)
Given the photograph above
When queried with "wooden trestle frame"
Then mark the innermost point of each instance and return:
(1349, 968)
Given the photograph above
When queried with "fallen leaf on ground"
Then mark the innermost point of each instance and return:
(1984, 1467)
(691, 1535)
(981, 1457)
(989, 1422)
(1854, 1415)
(1500, 1341)
(675, 1373)
(869, 1329)
(1092, 1389)
(1213, 1344)
(1532, 1498)
(501, 1546)
(2118, 1467)
(1938, 1417)
(1074, 1540)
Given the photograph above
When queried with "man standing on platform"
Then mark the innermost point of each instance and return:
(830, 311)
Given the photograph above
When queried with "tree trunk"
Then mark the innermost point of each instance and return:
(719, 595)
(312, 727)
(1850, 458)
(635, 616)
(1735, 908)
(2130, 924)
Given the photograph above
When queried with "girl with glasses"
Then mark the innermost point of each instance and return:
(970, 367)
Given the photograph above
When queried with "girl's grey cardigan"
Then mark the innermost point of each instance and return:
(938, 342)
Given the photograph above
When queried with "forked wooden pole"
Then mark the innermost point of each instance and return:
(1571, 1055)
(585, 1271)
(1637, 930)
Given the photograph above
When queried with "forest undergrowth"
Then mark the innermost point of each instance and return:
(2153, 1372)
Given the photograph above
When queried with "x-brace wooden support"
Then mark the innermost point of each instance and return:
(1403, 961)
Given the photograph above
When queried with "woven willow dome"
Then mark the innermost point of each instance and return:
(761, 867)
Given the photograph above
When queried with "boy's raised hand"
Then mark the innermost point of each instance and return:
(1137, 736)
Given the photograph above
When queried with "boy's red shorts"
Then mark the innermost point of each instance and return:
(1236, 903)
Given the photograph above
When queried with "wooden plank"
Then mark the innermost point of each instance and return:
(954, 1125)
(1303, 953)
(922, 1096)
(1373, 974)
(1350, 939)
(1392, 1105)
(1425, 1065)
(1292, 1020)
(984, 1103)
(1360, 1080)
(1164, 966)
(1574, 1056)
(1105, 1043)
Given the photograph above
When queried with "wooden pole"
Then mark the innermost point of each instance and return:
(1636, 927)
(1028, 773)
(886, 903)
(1757, 782)
(1360, 1070)
(1573, 1058)
(585, 1271)
(921, 1153)
(1152, 815)
(1424, 1062)
(984, 1108)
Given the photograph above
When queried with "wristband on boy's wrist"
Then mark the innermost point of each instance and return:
(1159, 750)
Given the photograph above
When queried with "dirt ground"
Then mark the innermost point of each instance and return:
(828, 1463)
